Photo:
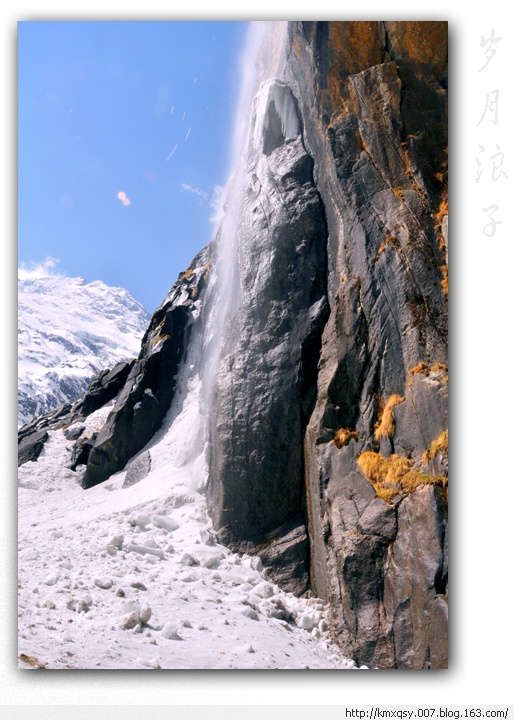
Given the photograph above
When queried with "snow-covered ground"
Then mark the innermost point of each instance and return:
(133, 577)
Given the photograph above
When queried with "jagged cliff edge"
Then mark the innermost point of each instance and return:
(323, 417)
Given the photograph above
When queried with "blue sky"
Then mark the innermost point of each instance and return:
(124, 136)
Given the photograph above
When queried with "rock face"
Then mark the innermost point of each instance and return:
(146, 396)
(344, 306)
(104, 388)
(29, 448)
(270, 352)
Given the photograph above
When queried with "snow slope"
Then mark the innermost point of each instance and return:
(68, 330)
(133, 577)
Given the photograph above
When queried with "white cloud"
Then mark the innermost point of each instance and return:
(217, 203)
(195, 190)
(217, 200)
(38, 270)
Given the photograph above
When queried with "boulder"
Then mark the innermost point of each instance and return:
(30, 446)
(104, 387)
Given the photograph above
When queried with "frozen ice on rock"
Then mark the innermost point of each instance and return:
(150, 543)
(305, 621)
(187, 559)
(252, 563)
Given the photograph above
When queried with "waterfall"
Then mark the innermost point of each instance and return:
(189, 419)
(262, 58)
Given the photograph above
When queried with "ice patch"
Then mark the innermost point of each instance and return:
(275, 97)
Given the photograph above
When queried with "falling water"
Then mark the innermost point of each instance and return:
(189, 419)
(262, 59)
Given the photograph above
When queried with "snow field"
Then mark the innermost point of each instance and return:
(133, 577)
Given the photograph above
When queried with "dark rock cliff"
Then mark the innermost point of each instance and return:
(330, 403)
(377, 121)
(265, 388)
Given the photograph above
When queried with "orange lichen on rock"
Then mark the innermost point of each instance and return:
(423, 369)
(441, 213)
(394, 475)
(390, 240)
(440, 445)
(354, 47)
(420, 43)
(386, 426)
(444, 278)
(373, 465)
(343, 437)
(414, 479)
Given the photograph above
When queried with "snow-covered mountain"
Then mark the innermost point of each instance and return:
(68, 330)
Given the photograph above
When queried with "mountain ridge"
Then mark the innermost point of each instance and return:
(69, 330)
